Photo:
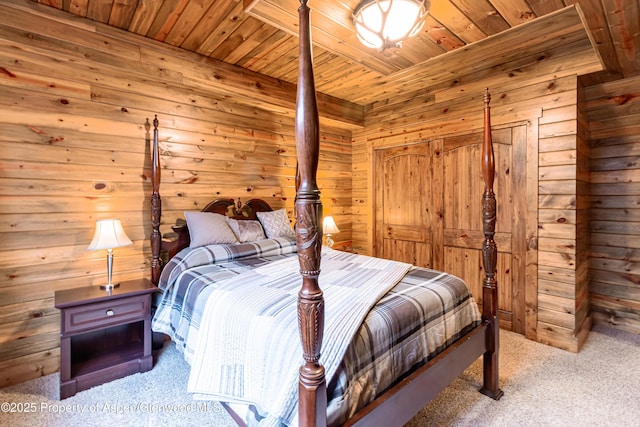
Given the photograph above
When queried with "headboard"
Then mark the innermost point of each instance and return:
(228, 207)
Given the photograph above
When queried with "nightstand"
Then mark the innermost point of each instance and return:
(344, 247)
(103, 336)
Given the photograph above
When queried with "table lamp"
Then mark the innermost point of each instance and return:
(109, 234)
(329, 227)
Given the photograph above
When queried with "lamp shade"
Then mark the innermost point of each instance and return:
(329, 225)
(109, 234)
(382, 24)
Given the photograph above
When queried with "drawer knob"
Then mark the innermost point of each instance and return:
(110, 313)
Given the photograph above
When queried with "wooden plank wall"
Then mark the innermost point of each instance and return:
(557, 229)
(548, 104)
(583, 151)
(563, 319)
(74, 96)
(614, 125)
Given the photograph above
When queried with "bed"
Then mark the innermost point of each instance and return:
(288, 331)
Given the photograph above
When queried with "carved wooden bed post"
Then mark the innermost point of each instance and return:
(489, 258)
(156, 204)
(312, 394)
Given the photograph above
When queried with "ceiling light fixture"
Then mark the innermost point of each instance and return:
(383, 24)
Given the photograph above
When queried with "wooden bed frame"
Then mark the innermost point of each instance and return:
(400, 403)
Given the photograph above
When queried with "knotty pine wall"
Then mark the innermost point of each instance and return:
(563, 245)
(74, 100)
(74, 97)
(614, 125)
(554, 289)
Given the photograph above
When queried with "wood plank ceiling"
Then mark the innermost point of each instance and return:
(260, 35)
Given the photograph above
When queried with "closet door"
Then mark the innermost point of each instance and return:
(402, 208)
(428, 211)
(462, 215)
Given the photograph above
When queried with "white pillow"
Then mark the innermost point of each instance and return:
(246, 230)
(276, 223)
(208, 228)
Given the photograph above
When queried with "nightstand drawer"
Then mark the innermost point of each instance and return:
(106, 313)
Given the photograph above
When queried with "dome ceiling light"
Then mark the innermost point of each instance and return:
(383, 24)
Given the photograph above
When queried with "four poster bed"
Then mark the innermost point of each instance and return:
(393, 335)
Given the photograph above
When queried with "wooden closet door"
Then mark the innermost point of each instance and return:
(462, 217)
(403, 225)
(428, 211)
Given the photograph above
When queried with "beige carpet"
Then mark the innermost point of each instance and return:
(544, 386)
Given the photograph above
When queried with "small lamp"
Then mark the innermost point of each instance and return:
(109, 234)
(383, 24)
(329, 227)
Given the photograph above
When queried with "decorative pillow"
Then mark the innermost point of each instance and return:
(276, 223)
(246, 230)
(208, 228)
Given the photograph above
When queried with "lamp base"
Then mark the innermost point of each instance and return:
(109, 286)
(329, 241)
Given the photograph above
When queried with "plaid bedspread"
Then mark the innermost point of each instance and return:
(418, 318)
(252, 351)
(192, 274)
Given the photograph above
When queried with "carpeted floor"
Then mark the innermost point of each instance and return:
(543, 386)
(546, 386)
